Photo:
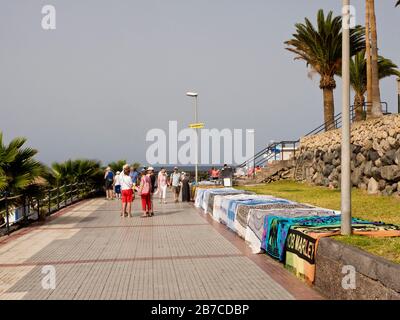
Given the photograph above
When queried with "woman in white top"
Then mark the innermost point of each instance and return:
(127, 191)
(162, 185)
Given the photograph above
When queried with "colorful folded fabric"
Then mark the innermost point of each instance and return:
(221, 191)
(228, 212)
(276, 230)
(302, 244)
(199, 193)
(233, 206)
(221, 203)
(199, 197)
(256, 217)
(242, 212)
(211, 198)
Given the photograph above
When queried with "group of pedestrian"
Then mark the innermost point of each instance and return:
(129, 181)
(223, 176)
(180, 183)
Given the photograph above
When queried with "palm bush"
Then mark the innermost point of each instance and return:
(117, 165)
(76, 171)
(20, 173)
(18, 168)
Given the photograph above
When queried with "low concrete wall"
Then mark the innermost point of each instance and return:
(375, 277)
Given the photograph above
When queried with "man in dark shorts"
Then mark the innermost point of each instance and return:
(109, 181)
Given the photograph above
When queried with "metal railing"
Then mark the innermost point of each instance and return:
(336, 123)
(269, 152)
(25, 208)
(274, 151)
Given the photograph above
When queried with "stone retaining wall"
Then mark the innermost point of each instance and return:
(375, 156)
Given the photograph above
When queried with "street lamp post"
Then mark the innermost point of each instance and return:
(195, 96)
(251, 131)
(346, 149)
(398, 95)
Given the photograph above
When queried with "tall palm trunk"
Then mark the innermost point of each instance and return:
(359, 100)
(368, 57)
(376, 110)
(328, 84)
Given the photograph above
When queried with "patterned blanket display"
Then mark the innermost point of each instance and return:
(256, 217)
(222, 191)
(243, 210)
(199, 194)
(286, 230)
(234, 205)
(229, 207)
(276, 230)
(211, 198)
(302, 243)
(222, 203)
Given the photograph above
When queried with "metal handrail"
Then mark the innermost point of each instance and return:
(335, 124)
(48, 201)
(260, 158)
(337, 120)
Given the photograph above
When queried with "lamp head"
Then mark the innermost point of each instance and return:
(192, 94)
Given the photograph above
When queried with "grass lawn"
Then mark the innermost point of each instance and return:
(373, 208)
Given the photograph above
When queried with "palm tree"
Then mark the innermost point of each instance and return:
(376, 108)
(7, 156)
(117, 166)
(368, 57)
(86, 171)
(18, 168)
(72, 171)
(358, 78)
(62, 173)
(136, 165)
(321, 49)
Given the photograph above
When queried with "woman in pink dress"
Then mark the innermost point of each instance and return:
(145, 194)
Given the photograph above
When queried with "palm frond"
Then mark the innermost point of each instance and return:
(18, 168)
(321, 47)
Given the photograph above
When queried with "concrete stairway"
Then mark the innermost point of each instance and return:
(267, 173)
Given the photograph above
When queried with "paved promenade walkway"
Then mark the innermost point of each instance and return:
(178, 254)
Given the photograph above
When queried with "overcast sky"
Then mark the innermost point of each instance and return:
(112, 70)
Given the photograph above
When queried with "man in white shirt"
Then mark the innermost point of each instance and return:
(176, 183)
(127, 191)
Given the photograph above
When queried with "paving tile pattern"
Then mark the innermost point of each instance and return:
(177, 254)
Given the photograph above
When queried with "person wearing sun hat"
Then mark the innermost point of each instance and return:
(117, 185)
(176, 183)
(127, 191)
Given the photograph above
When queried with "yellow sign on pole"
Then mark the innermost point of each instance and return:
(196, 126)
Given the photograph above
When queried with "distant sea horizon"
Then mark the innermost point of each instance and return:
(188, 168)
